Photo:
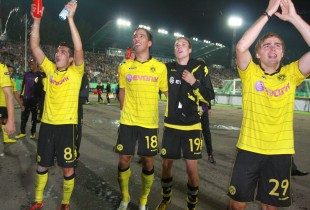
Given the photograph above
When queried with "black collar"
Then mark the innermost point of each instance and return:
(144, 61)
(63, 70)
(276, 72)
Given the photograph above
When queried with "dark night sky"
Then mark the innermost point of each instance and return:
(204, 19)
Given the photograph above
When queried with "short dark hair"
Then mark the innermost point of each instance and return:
(266, 36)
(65, 44)
(148, 33)
(31, 60)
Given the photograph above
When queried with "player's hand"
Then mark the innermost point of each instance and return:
(288, 10)
(188, 77)
(273, 6)
(9, 127)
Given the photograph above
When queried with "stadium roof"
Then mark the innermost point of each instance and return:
(112, 35)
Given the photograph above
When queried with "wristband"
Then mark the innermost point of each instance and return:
(266, 14)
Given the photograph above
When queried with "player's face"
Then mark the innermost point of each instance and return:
(182, 49)
(62, 57)
(141, 43)
(270, 52)
(11, 71)
(33, 65)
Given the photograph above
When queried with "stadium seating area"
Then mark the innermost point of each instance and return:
(101, 67)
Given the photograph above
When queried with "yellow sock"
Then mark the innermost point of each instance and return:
(5, 135)
(147, 181)
(40, 182)
(123, 180)
(67, 189)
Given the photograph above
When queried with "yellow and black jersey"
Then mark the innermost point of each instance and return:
(268, 106)
(182, 111)
(142, 82)
(2, 96)
(5, 81)
(62, 93)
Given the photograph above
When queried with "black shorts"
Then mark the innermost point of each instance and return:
(3, 112)
(57, 141)
(177, 142)
(128, 136)
(271, 174)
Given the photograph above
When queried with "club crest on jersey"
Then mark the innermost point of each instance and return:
(171, 80)
(282, 77)
(153, 69)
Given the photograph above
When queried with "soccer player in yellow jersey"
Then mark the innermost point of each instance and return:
(58, 130)
(140, 79)
(7, 107)
(266, 141)
(189, 83)
(6, 138)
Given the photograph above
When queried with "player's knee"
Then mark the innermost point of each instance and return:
(235, 205)
(124, 161)
(68, 171)
(167, 164)
(41, 169)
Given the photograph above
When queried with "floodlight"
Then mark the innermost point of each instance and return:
(162, 31)
(145, 27)
(207, 41)
(123, 22)
(234, 21)
(176, 34)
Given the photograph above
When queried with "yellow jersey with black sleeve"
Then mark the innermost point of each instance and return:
(268, 106)
(5, 81)
(61, 93)
(142, 82)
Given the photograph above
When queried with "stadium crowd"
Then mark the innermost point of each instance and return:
(99, 66)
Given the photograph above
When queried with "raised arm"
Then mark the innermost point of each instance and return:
(76, 39)
(242, 49)
(35, 37)
(289, 14)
